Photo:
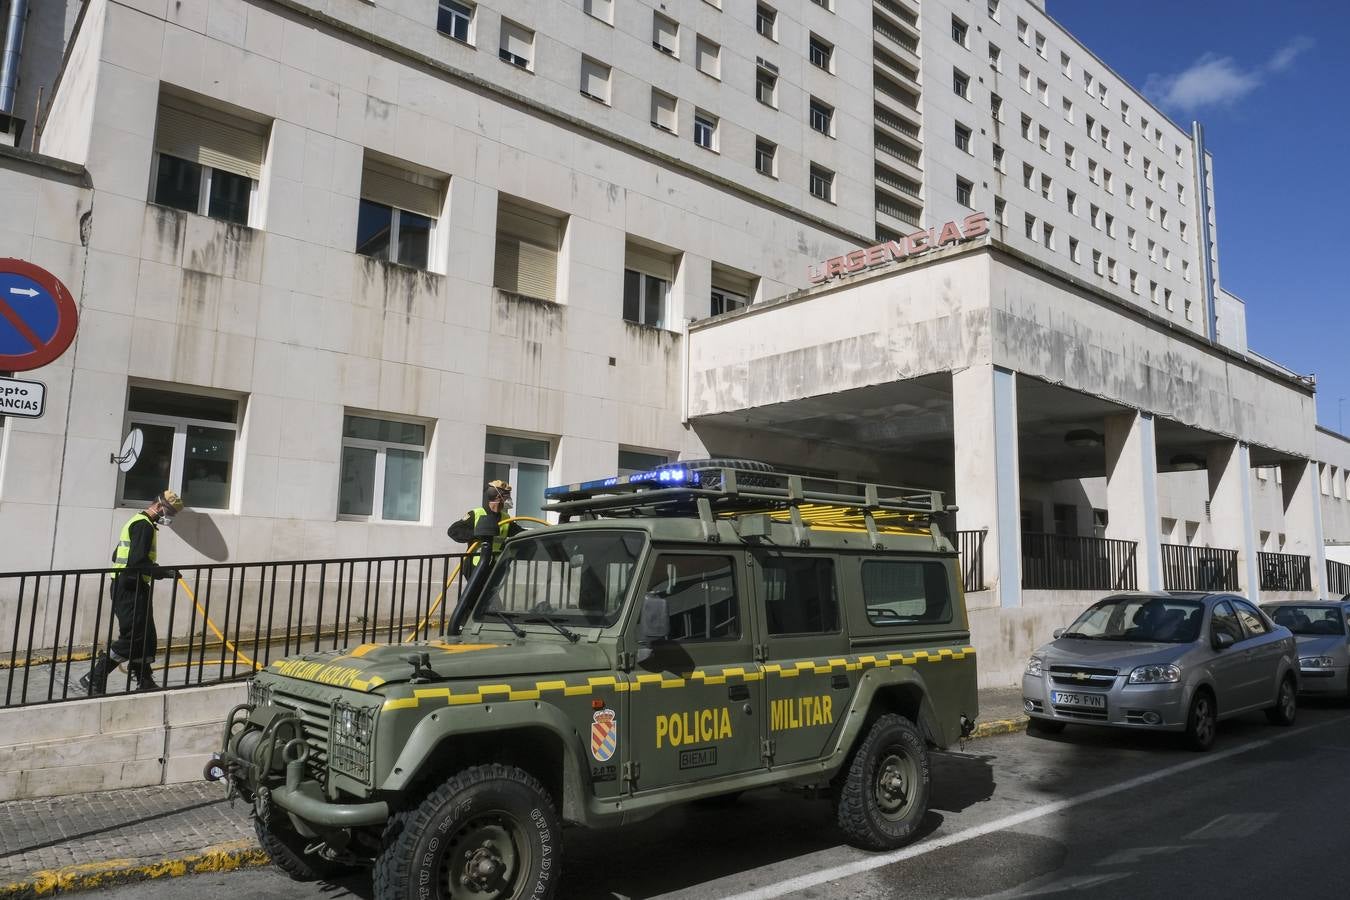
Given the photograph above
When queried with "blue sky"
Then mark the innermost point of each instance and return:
(1268, 83)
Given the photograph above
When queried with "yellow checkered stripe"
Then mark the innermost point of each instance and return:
(497, 693)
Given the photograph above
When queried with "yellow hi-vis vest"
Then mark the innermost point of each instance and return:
(122, 552)
(502, 529)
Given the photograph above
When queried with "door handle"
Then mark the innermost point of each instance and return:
(739, 692)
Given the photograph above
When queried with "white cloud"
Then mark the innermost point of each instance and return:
(1216, 81)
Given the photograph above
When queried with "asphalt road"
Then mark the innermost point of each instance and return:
(1088, 812)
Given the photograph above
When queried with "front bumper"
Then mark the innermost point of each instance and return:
(1147, 707)
(1334, 680)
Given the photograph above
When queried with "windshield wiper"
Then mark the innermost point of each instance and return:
(565, 632)
(1080, 636)
(515, 629)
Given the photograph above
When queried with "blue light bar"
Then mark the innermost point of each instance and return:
(668, 475)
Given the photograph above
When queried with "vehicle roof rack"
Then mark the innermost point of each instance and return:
(681, 489)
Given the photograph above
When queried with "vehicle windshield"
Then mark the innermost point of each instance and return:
(577, 578)
(1308, 619)
(1144, 619)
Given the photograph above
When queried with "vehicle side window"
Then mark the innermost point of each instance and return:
(1226, 622)
(906, 592)
(799, 595)
(700, 594)
(1251, 619)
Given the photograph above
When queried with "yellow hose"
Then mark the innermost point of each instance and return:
(220, 634)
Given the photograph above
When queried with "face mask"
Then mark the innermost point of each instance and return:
(166, 518)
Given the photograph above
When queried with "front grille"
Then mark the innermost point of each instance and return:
(316, 721)
(1082, 676)
(1087, 715)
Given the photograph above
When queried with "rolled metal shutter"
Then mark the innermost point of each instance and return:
(527, 252)
(651, 262)
(405, 189)
(210, 137)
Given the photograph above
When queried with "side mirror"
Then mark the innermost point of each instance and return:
(1222, 640)
(653, 624)
(1057, 633)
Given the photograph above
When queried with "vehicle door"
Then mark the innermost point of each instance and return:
(696, 700)
(806, 678)
(1263, 648)
(1232, 674)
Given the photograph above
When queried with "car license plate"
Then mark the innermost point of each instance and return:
(1087, 701)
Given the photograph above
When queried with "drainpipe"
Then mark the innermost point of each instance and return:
(1202, 202)
(9, 67)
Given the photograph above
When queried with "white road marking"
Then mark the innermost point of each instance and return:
(876, 861)
(1136, 855)
(1072, 883)
(1234, 825)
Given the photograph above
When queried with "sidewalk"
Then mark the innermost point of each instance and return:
(89, 841)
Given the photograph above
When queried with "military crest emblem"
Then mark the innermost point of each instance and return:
(604, 735)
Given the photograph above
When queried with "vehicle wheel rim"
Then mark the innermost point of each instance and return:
(1204, 721)
(485, 859)
(1287, 700)
(896, 778)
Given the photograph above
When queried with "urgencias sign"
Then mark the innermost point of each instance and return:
(916, 244)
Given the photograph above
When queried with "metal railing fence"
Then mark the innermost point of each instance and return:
(1187, 568)
(970, 546)
(1060, 563)
(1338, 579)
(1285, 572)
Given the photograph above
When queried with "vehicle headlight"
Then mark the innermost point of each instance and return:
(259, 694)
(1168, 674)
(1035, 666)
(1316, 662)
(353, 728)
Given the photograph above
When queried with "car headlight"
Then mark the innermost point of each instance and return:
(1035, 666)
(1316, 662)
(353, 728)
(259, 694)
(1168, 674)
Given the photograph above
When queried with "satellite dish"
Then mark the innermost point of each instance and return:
(131, 450)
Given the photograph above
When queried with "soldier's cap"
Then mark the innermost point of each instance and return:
(500, 486)
(171, 500)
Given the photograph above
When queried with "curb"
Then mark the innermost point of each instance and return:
(997, 726)
(227, 857)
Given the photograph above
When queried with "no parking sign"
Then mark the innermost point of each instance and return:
(38, 316)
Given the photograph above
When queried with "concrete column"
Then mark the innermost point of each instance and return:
(984, 431)
(1132, 492)
(1303, 518)
(1231, 523)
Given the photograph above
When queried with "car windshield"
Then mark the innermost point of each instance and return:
(1145, 619)
(577, 578)
(1308, 619)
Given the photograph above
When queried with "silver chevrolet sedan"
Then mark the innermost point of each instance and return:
(1323, 645)
(1163, 662)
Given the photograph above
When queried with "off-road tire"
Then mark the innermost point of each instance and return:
(858, 790)
(1202, 721)
(287, 849)
(1045, 726)
(1285, 709)
(422, 842)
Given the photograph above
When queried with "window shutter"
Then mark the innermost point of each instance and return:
(402, 188)
(733, 283)
(595, 79)
(652, 262)
(517, 40)
(527, 252)
(210, 137)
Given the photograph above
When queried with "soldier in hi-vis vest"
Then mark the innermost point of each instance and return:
(135, 570)
(496, 504)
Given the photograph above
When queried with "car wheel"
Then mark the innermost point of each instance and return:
(882, 795)
(1045, 726)
(491, 833)
(287, 849)
(1202, 721)
(1286, 704)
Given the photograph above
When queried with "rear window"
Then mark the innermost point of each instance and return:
(799, 595)
(1308, 619)
(906, 592)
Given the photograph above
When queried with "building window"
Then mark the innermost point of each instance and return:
(1189, 316)
(1186, 271)
(1065, 65)
(381, 469)
(705, 130)
(822, 183)
(822, 53)
(993, 10)
(1167, 259)
(1110, 225)
(663, 111)
(1073, 249)
(1134, 282)
(961, 84)
(189, 444)
(708, 57)
(731, 289)
(454, 19)
(1148, 169)
(1167, 299)
(766, 87)
(1040, 45)
(1124, 112)
(1048, 236)
(1094, 216)
(666, 35)
(822, 116)
(1001, 211)
(1043, 92)
(647, 277)
(1068, 109)
(1091, 127)
(766, 157)
(1111, 269)
(1070, 156)
(995, 58)
(1129, 195)
(1128, 152)
(1106, 138)
(1152, 251)
(1022, 32)
(633, 461)
(521, 462)
(1130, 238)
(206, 162)
(998, 159)
(1027, 174)
(1148, 208)
(1153, 291)
(528, 238)
(1162, 219)
(517, 46)
(1071, 200)
(1096, 262)
(1045, 138)
(962, 138)
(1088, 82)
(1102, 94)
(963, 191)
(1047, 188)
(1030, 224)
(1024, 78)
(1026, 127)
(766, 21)
(600, 9)
(996, 107)
(595, 80)
(959, 31)
(1092, 171)
(1181, 229)
(824, 4)
(397, 214)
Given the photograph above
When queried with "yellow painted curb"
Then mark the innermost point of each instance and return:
(997, 726)
(106, 873)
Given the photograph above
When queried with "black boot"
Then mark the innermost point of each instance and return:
(144, 674)
(96, 681)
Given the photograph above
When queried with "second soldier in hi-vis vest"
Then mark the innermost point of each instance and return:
(135, 570)
(496, 506)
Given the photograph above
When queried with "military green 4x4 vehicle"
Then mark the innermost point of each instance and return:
(689, 632)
